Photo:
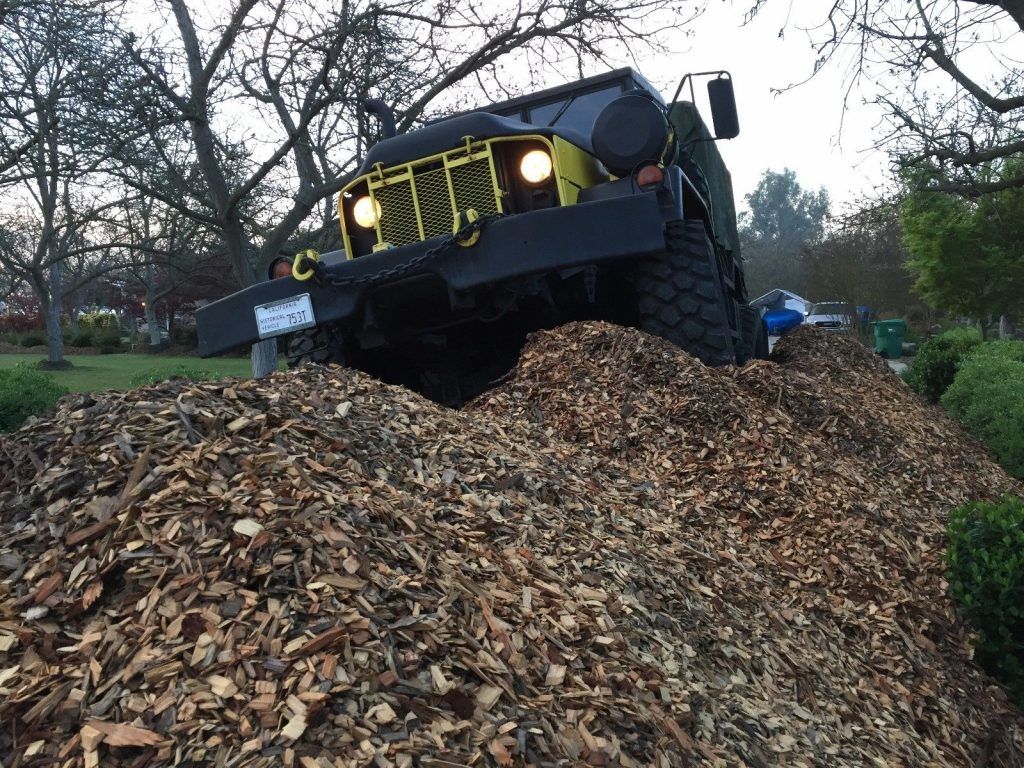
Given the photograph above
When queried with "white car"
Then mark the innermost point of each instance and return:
(832, 316)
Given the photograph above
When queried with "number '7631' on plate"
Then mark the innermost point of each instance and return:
(284, 316)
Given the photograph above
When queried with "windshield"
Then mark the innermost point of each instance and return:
(829, 308)
(580, 113)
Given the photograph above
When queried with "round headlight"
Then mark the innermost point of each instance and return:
(366, 211)
(535, 166)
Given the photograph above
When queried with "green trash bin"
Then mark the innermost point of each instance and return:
(889, 336)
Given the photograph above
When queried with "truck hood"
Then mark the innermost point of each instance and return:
(448, 134)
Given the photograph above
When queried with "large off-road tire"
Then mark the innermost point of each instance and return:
(754, 336)
(314, 345)
(680, 296)
(761, 347)
(750, 318)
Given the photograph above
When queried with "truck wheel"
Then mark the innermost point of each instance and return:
(761, 350)
(750, 322)
(680, 296)
(314, 345)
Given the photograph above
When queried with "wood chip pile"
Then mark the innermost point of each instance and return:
(620, 557)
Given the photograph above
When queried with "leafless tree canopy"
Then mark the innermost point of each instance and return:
(58, 69)
(951, 78)
(271, 92)
(265, 97)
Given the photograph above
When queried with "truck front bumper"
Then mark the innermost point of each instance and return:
(534, 243)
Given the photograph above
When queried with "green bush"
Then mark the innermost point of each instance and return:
(33, 340)
(25, 391)
(186, 336)
(987, 397)
(81, 338)
(986, 578)
(99, 321)
(937, 362)
(108, 340)
(1008, 350)
(153, 376)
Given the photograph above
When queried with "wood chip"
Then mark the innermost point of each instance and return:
(618, 557)
(123, 735)
(247, 527)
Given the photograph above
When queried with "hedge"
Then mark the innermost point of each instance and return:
(937, 361)
(25, 391)
(986, 577)
(987, 397)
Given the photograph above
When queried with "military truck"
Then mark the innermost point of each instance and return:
(592, 200)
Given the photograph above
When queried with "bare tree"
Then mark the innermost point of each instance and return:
(169, 252)
(56, 72)
(861, 260)
(950, 76)
(303, 72)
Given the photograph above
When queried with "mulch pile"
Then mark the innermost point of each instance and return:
(620, 557)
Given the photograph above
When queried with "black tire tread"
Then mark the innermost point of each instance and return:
(680, 297)
(761, 348)
(750, 320)
(313, 345)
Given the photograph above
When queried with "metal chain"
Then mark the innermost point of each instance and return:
(324, 276)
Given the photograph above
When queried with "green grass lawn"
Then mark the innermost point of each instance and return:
(93, 372)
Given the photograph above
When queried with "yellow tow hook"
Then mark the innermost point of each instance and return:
(297, 271)
(462, 220)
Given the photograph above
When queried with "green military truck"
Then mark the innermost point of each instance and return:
(593, 200)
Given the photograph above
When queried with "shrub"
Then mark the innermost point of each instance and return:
(25, 391)
(937, 361)
(33, 340)
(1007, 350)
(987, 397)
(108, 340)
(186, 336)
(99, 321)
(81, 338)
(986, 579)
(152, 376)
(19, 323)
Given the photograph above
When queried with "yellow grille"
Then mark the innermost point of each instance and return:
(435, 202)
(439, 192)
(398, 215)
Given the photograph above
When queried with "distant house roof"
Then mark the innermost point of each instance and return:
(778, 298)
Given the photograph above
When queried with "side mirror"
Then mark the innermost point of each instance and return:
(723, 108)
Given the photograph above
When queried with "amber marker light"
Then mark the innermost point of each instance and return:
(649, 176)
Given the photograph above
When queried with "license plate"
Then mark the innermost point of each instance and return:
(284, 316)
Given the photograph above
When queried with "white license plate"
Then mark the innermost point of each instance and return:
(285, 316)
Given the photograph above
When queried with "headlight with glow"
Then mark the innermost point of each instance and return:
(366, 212)
(535, 166)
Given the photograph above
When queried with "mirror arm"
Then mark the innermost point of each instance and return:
(691, 75)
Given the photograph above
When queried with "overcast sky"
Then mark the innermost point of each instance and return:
(799, 128)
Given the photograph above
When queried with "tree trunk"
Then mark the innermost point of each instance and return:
(264, 353)
(264, 358)
(151, 320)
(54, 335)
